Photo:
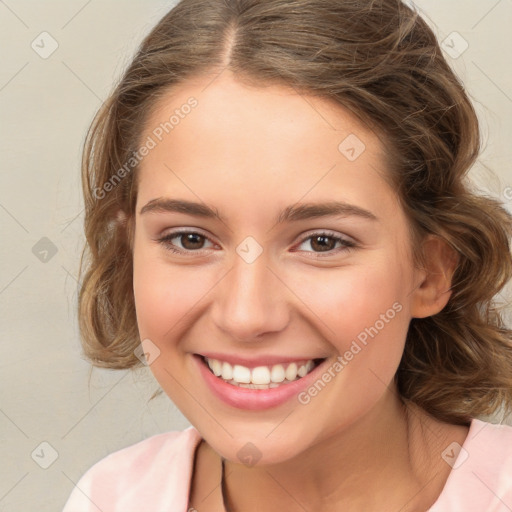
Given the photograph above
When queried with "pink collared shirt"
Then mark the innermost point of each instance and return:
(154, 475)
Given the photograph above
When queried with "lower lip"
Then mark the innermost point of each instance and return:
(255, 399)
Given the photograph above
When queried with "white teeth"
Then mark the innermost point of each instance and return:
(260, 377)
(309, 366)
(216, 367)
(277, 373)
(291, 372)
(227, 371)
(241, 374)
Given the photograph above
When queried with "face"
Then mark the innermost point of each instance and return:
(259, 273)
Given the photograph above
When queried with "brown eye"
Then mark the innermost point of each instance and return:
(191, 241)
(184, 241)
(328, 243)
(323, 243)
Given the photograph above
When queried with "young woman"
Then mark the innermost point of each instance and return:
(278, 217)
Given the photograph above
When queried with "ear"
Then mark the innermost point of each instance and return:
(434, 281)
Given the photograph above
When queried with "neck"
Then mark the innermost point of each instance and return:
(390, 457)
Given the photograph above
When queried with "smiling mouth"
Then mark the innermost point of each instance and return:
(261, 377)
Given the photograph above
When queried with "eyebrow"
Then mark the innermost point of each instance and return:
(291, 213)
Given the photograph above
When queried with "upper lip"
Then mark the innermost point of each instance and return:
(253, 362)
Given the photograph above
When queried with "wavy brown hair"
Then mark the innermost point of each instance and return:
(379, 59)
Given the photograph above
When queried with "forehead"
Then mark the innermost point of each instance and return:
(214, 136)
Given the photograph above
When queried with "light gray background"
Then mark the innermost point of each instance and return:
(47, 392)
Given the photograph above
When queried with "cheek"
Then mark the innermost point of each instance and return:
(364, 316)
(363, 312)
(165, 295)
(354, 297)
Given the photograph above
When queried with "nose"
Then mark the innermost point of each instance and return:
(250, 301)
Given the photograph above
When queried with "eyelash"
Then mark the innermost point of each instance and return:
(348, 245)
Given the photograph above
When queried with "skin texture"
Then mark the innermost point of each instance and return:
(251, 152)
